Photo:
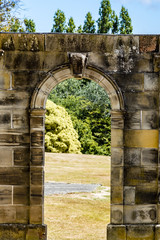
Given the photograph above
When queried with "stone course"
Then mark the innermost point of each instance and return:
(127, 67)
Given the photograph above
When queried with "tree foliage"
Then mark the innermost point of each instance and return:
(7, 10)
(125, 22)
(60, 135)
(115, 23)
(89, 24)
(71, 26)
(59, 21)
(89, 108)
(105, 19)
(27, 25)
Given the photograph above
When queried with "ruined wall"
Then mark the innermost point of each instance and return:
(128, 68)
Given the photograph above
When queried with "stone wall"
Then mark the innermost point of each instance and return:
(128, 69)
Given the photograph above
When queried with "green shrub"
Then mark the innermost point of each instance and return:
(60, 135)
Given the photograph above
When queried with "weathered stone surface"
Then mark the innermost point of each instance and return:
(116, 232)
(117, 195)
(148, 43)
(140, 176)
(37, 156)
(117, 138)
(132, 156)
(129, 195)
(21, 156)
(146, 194)
(141, 101)
(150, 157)
(127, 67)
(5, 195)
(14, 176)
(141, 138)
(116, 176)
(6, 158)
(20, 195)
(150, 119)
(136, 232)
(157, 232)
(117, 156)
(117, 214)
(138, 214)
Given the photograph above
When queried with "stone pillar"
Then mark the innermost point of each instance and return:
(37, 131)
(116, 230)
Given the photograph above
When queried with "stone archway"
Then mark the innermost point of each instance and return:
(38, 102)
(124, 65)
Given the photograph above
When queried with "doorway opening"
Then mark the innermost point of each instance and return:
(77, 163)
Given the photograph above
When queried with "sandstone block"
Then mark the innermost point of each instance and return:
(117, 156)
(148, 43)
(5, 195)
(132, 120)
(116, 232)
(117, 214)
(132, 156)
(140, 214)
(21, 195)
(149, 157)
(117, 176)
(37, 156)
(150, 119)
(141, 138)
(21, 156)
(6, 157)
(140, 232)
(117, 138)
(117, 195)
(140, 176)
(129, 195)
(36, 214)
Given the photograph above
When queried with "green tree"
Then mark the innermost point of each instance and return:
(89, 24)
(7, 10)
(115, 23)
(59, 22)
(105, 19)
(79, 30)
(27, 25)
(89, 108)
(125, 22)
(60, 135)
(30, 25)
(71, 26)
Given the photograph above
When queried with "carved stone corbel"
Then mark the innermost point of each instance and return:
(78, 63)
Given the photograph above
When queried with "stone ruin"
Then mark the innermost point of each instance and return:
(127, 67)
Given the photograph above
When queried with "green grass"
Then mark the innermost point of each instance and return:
(81, 216)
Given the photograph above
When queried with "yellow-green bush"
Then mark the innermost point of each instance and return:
(60, 135)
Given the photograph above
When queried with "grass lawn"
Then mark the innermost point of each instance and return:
(77, 216)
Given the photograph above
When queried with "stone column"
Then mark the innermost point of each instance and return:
(37, 131)
(116, 230)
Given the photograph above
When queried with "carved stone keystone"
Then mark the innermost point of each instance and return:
(78, 63)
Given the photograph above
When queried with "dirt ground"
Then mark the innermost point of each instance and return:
(80, 216)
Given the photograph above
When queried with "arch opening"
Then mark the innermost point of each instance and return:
(53, 78)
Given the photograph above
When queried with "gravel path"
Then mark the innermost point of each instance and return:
(64, 188)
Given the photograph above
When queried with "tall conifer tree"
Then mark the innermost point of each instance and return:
(115, 23)
(59, 21)
(105, 19)
(71, 26)
(125, 22)
(89, 24)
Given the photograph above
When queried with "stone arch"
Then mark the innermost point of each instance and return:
(37, 129)
(62, 73)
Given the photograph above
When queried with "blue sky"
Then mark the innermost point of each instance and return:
(145, 14)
